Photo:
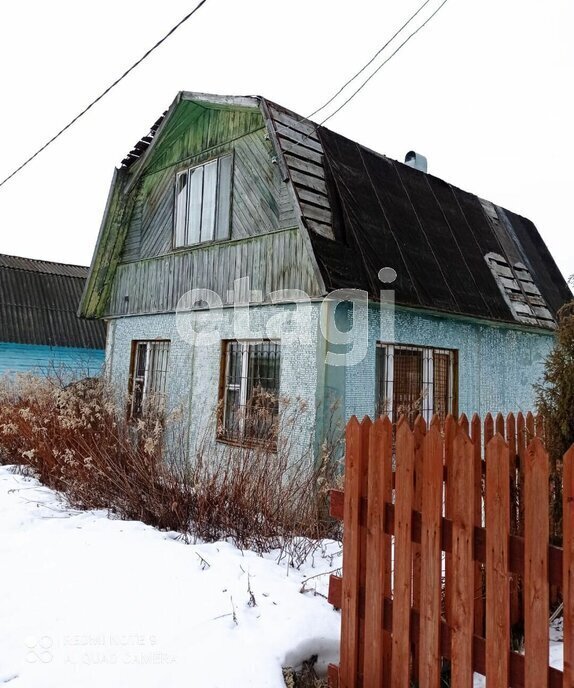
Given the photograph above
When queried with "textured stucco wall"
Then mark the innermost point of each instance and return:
(497, 364)
(193, 374)
(67, 362)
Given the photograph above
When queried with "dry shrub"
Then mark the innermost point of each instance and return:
(555, 401)
(265, 496)
(78, 441)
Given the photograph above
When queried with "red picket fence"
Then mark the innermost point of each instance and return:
(411, 496)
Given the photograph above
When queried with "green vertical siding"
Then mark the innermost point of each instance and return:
(261, 201)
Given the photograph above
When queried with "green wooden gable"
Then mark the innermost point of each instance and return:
(135, 267)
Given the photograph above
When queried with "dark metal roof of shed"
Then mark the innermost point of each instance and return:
(38, 304)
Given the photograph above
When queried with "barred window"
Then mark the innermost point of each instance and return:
(249, 395)
(147, 375)
(414, 380)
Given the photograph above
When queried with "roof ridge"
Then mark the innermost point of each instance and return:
(37, 265)
(42, 260)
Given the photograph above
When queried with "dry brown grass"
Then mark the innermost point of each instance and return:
(77, 440)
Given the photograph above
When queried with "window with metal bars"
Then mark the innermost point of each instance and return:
(413, 380)
(249, 396)
(148, 376)
(202, 202)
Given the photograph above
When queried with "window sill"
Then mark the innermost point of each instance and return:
(199, 244)
(247, 444)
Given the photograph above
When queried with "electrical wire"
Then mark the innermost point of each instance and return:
(358, 90)
(104, 93)
(370, 62)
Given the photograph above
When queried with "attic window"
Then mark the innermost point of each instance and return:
(202, 202)
(520, 292)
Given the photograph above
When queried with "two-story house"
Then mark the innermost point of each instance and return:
(244, 203)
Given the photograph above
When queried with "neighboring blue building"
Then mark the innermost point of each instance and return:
(39, 327)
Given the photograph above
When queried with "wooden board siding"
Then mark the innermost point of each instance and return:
(195, 128)
(135, 255)
(261, 201)
(303, 157)
(278, 260)
(131, 249)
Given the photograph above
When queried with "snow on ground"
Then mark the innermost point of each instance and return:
(555, 652)
(93, 602)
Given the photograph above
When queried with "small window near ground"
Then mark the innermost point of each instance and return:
(416, 380)
(249, 397)
(202, 202)
(148, 376)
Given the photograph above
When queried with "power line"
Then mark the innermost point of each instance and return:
(370, 62)
(104, 93)
(366, 81)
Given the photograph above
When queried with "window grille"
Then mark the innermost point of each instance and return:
(414, 380)
(250, 392)
(148, 376)
(202, 202)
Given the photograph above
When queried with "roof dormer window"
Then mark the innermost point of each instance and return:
(202, 202)
(520, 291)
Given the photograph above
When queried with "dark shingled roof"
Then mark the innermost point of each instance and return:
(452, 251)
(39, 301)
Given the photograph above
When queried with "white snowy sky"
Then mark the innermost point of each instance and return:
(484, 91)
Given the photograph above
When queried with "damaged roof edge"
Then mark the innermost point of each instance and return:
(86, 308)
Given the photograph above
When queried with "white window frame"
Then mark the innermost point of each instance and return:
(388, 354)
(243, 382)
(149, 344)
(181, 234)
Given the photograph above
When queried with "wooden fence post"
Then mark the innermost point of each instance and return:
(479, 601)
(521, 444)
(404, 493)
(430, 601)
(515, 607)
(536, 533)
(379, 475)
(354, 467)
(388, 545)
(497, 578)
(462, 600)
(419, 432)
(530, 427)
(450, 429)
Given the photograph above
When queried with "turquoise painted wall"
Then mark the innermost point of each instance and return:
(46, 360)
(497, 364)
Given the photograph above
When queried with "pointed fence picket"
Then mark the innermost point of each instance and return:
(475, 493)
